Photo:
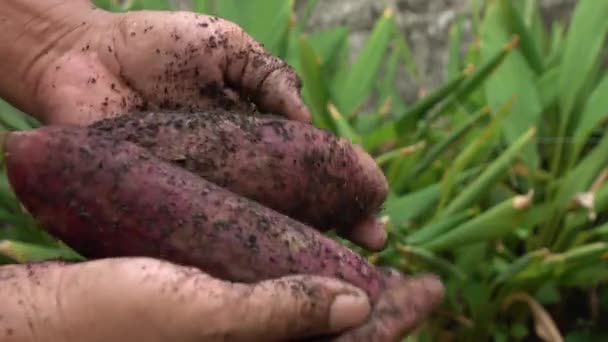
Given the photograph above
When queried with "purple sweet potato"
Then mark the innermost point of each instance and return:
(108, 198)
(267, 159)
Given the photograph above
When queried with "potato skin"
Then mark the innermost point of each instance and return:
(264, 158)
(110, 198)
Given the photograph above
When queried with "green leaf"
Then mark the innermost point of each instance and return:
(490, 176)
(11, 118)
(404, 208)
(356, 88)
(343, 127)
(595, 110)
(454, 59)
(25, 252)
(384, 158)
(528, 46)
(314, 84)
(433, 260)
(161, 5)
(493, 224)
(556, 46)
(447, 142)
(328, 43)
(514, 79)
(203, 6)
(468, 154)
(520, 265)
(548, 88)
(577, 180)
(382, 135)
(470, 85)
(584, 42)
(406, 120)
(435, 229)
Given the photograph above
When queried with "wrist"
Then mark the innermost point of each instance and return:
(33, 34)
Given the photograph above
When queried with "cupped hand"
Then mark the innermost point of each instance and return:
(151, 60)
(141, 299)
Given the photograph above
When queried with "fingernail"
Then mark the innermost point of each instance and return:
(348, 311)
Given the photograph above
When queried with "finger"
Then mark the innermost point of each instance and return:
(370, 234)
(269, 81)
(297, 307)
(399, 311)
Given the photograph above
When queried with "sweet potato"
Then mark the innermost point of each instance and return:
(264, 158)
(108, 198)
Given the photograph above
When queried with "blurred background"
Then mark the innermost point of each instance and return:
(488, 118)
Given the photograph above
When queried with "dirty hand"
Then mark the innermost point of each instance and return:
(96, 64)
(75, 64)
(141, 299)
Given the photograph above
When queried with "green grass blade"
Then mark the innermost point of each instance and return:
(161, 5)
(410, 117)
(584, 42)
(437, 263)
(308, 11)
(548, 87)
(577, 180)
(401, 209)
(450, 140)
(12, 119)
(595, 110)
(274, 35)
(520, 265)
(454, 60)
(435, 229)
(556, 47)
(327, 43)
(493, 224)
(471, 84)
(25, 252)
(387, 157)
(514, 79)
(343, 127)
(356, 88)
(587, 254)
(490, 176)
(599, 233)
(203, 6)
(517, 25)
(314, 85)
(468, 155)
(385, 134)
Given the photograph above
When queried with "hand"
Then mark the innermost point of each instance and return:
(141, 299)
(97, 65)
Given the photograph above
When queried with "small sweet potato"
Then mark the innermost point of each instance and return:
(108, 198)
(264, 158)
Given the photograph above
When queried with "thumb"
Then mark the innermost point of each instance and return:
(297, 307)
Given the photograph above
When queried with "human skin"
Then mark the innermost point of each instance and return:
(66, 62)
